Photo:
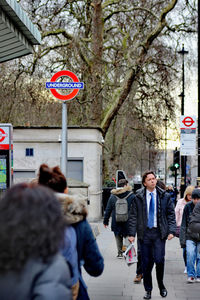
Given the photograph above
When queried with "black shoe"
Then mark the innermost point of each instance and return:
(147, 295)
(120, 255)
(163, 293)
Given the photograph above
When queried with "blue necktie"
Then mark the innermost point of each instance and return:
(151, 212)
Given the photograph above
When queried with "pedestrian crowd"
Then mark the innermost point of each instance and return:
(155, 216)
(190, 240)
(46, 239)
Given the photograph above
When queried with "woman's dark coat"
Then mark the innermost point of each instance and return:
(165, 214)
(89, 256)
(38, 281)
(118, 227)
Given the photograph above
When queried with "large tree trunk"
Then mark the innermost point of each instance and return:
(121, 96)
(96, 69)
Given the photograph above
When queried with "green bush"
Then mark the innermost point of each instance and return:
(109, 183)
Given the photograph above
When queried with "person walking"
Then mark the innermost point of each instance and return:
(172, 193)
(191, 240)
(120, 229)
(152, 217)
(31, 233)
(75, 213)
(187, 197)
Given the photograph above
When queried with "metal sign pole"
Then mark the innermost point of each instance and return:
(75, 85)
(64, 139)
(183, 158)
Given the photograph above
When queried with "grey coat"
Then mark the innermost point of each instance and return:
(38, 281)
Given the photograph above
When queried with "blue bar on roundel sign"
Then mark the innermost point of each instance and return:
(64, 85)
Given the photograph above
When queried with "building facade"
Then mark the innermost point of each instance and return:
(33, 146)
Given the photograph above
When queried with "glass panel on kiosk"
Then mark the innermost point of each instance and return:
(6, 156)
(4, 177)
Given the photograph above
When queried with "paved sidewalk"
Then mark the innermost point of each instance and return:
(116, 282)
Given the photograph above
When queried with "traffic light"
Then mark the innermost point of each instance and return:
(176, 163)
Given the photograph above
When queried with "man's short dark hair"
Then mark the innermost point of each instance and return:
(196, 194)
(145, 174)
(122, 182)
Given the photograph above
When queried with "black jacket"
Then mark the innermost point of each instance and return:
(185, 232)
(118, 227)
(194, 225)
(165, 214)
(38, 281)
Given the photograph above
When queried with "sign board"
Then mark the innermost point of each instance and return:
(75, 85)
(6, 156)
(4, 137)
(188, 125)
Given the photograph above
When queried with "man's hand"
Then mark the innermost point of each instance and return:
(170, 236)
(131, 239)
(105, 225)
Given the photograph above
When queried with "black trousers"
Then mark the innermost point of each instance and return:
(152, 251)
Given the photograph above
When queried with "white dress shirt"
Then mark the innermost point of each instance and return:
(148, 197)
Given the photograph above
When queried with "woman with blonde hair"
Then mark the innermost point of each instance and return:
(187, 197)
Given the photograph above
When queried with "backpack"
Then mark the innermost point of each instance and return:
(121, 209)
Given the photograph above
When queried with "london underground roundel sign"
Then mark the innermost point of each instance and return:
(188, 121)
(3, 135)
(75, 85)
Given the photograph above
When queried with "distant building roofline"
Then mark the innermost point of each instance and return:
(58, 127)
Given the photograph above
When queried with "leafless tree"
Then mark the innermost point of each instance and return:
(124, 51)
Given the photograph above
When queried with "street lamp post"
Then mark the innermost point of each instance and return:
(182, 95)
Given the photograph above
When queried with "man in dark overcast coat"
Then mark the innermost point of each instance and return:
(152, 217)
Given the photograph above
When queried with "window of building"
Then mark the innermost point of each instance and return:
(75, 168)
(29, 152)
(23, 175)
